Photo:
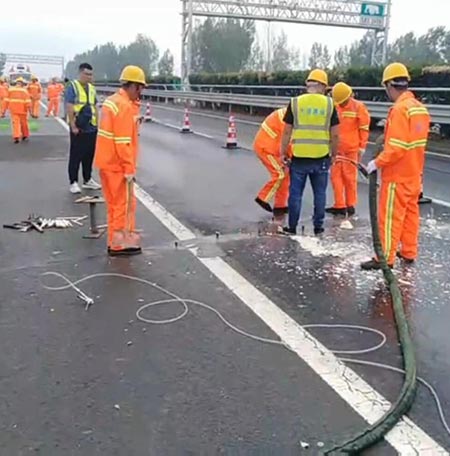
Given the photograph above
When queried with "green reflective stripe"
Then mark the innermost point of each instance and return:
(110, 104)
(311, 141)
(122, 140)
(349, 114)
(105, 133)
(417, 111)
(268, 130)
(407, 145)
(311, 127)
(364, 127)
(389, 220)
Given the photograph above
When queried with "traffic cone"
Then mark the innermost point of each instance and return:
(186, 128)
(232, 134)
(148, 113)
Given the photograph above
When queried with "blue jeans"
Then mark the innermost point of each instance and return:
(317, 170)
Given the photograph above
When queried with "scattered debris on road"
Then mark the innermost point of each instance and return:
(40, 223)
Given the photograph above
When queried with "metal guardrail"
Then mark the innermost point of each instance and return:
(440, 114)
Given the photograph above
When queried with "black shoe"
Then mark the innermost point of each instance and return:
(351, 211)
(25, 139)
(372, 265)
(289, 231)
(319, 231)
(278, 211)
(336, 211)
(125, 252)
(16, 140)
(406, 260)
(263, 204)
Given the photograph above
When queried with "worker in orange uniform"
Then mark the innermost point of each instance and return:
(267, 147)
(53, 97)
(19, 105)
(354, 123)
(35, 91)
(401, 163)
(116, 156)
(3, 96)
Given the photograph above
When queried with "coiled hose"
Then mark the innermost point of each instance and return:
(375, 432)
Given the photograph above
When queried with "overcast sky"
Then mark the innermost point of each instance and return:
(41, 28)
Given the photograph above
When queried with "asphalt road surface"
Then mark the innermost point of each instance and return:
(102, 382)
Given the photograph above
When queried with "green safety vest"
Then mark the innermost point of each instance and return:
(311, 129)
(81, 99)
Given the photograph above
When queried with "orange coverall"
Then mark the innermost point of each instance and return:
(354, 123)
(35, 91)
(3, 98)
(267, 146)
(19, 104)
(115, 156)
(401, 164)
(53, 95)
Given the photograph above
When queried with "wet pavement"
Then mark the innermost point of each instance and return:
(102, 382)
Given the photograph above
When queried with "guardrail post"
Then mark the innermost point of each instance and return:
(251, 107)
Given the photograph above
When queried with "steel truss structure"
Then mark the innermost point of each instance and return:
(371, 15)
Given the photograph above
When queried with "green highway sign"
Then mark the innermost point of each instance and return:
(372, 9)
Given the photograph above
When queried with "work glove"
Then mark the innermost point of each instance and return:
(371, 167)
(130, 177)
(361, 152)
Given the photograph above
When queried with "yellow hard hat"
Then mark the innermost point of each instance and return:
(2, 79)
(394, 71)
(318, 76)
(34, 78)
(341, 92)
(20, 79)
(132, 73)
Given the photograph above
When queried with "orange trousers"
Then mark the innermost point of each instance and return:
(53, 107)
(344, 179)
(35, 108)
(114, 187)
(2, 107)
(399, 219)
(278, 185)
(20, 126)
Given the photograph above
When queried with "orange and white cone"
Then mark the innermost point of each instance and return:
(232, 134)
(186, 128)
(148, 113)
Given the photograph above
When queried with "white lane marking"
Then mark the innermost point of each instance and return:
(440, 202)
(407, 438)
(197, 133)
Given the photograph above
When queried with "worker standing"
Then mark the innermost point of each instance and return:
(81, 104)
(116, 157)
(35, 91)
(354, 123)
(267, 147)
(3, 96)
(312, 126)
(53, 98)
(19, 105)
(401, 164)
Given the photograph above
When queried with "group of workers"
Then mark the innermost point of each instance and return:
(316, 132)
(23, 99)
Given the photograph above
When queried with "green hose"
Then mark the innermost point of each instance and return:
(375, 432)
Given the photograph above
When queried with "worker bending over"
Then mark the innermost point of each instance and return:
(267, 147)
(35, 91)
(53, 98)
(401, 163)
(19, 105)
(116, 156)
(312, 126)
(3, 96)
(354, 123)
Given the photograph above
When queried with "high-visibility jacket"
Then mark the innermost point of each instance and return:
(354, 123)
(18, 101)
(60, 88)
(312, 121)
(3, 90)
(269, 134)
(117, 137)
(405, 140)
(35, 90)
(82, 98)
(52, 91)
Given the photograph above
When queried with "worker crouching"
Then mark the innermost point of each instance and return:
(267, 148)
(354, 123)
(401, 164)
(19, 105)
(115, 157)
